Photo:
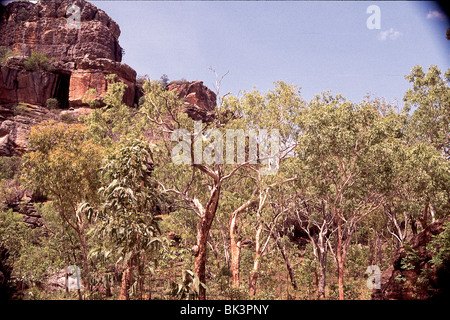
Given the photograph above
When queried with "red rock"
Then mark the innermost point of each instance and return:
(82, 56)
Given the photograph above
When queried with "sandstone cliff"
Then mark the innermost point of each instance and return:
(79, 60)
(82, 57)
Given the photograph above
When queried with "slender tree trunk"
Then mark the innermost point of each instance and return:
(203, 227)
(82, 238)
(257, 261)
(127, 279)
(282, 249)
(424, 220)
(108, 293)
(322, 253)
(235, 250)
(235, 243)
(226, 246)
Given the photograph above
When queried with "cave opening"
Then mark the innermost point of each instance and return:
(62, 90)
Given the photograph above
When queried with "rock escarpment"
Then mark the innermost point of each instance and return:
(78, 60)
(81, 56)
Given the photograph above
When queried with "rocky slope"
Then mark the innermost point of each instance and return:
(400, 283)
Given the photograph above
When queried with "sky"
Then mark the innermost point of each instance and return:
(317, 45)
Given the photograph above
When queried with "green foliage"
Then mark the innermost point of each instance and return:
(126, 221)
(13, 235)
(90, 98)
(38, 61)
(430, 99)
(62, 163)
(188, 287)
(439, 246)
(52, 103)
(115, 121)
(9, 167)
(20, 109)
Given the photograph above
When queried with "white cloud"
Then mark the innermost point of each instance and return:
(435, 14)
(390, 34)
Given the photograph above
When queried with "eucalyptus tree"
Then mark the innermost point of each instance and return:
(62, 163)
(429, 124)
(274, 111)
(429, 99)
(127, 219)
(339, 169)
(194, 184)
(199, 183)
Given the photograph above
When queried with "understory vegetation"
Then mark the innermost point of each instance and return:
(353, 183)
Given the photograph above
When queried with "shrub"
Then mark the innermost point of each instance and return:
(20, 108)
(38, 61)
(90, 97)
(52, 103)
(5, 53)
(9, 167)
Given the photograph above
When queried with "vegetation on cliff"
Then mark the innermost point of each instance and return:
(354, 184)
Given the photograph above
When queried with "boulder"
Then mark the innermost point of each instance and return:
(200, 101)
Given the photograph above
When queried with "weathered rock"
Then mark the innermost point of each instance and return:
(24, 86)
(82, 57)
(400, 284)
(200, 101)
(15, 125)
(27, 27)
(91, 74)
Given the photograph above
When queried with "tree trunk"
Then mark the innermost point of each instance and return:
(235, 249)
(257, 261)
(235, 243)
(82, 238)
(322, 253)
(203, 227)
(282, 249)
(424, 220)
(127, 278)
(340, 262)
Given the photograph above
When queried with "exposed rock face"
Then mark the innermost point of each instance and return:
(89, 75)
(25, 86)
(200, 101)
(15, 125)
(83, 56)
(409, 288)
(27, 27)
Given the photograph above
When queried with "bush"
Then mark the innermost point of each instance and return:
(5, 53)
(38, 61)
(52, 103)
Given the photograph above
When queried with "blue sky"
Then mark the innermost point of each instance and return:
(317, 45)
